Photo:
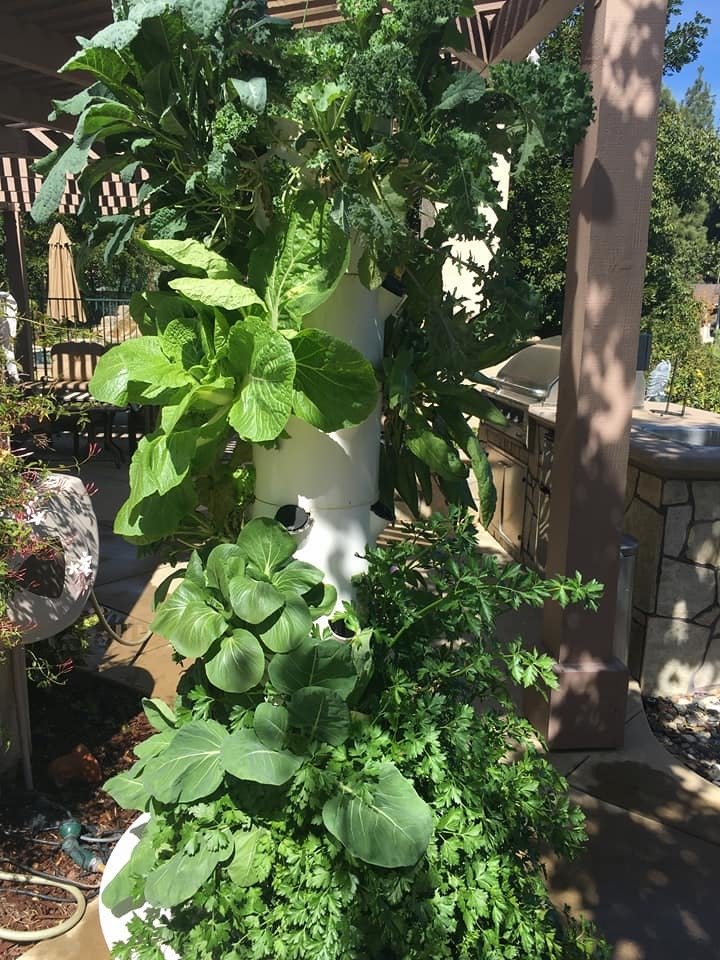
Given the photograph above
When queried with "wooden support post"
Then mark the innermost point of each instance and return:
(17, 282)
(622, 51)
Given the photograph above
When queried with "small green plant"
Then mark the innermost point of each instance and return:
(314, 798)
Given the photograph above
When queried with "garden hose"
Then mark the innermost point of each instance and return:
(29, 936)
(108, 629)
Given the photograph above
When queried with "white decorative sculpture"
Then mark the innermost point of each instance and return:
(8, 332)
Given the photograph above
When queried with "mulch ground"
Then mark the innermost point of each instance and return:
(106, 719)
(689, 728)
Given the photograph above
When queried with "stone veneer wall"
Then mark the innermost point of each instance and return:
(675, 638)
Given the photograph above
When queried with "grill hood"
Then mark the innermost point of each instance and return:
(532, 374)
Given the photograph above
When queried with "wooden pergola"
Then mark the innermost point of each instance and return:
(623, 53)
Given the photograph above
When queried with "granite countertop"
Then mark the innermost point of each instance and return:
(656, 453)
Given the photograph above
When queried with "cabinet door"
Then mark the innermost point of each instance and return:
(509, 478)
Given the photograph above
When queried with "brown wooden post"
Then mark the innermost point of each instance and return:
(17, 283)
(622, 51)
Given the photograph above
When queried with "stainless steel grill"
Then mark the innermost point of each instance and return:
(530, 377)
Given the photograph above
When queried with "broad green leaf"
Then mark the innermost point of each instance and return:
(384, 823)
(116, 36)
(251, 93)
(180, 341)
(203, 16)
(436, 453)
(254, 600)
(314, 663)
(190, 768)
(288, 628)
(246, 757)
(105, 64)
(301, 261)
(153, 310)
(267, 366)
(251, 864)
(104, 118)
(321, 600)
(487, 494)
(266, 544)
(191, 257)
(320, 714)
(118, 894)
(226, 294)
(76, 104)
(147, 749)
(71, 161)
(156, 517)
(335, 385)
(135, 370)
(297, 578)
(179, 878)
(225, 562)
(270, 724)
(127, 788)
(240, 664)
(466, 88)
(161, 463)
(159, 714)
(186, 620)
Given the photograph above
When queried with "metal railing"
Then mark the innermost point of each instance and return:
(107, 321)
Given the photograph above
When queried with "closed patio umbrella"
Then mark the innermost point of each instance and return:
(63, 301)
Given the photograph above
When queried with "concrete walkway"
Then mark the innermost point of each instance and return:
(649, 874)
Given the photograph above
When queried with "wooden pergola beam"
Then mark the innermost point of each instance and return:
(15, 142)
(29, 107)
(25, 45)
(522, 24)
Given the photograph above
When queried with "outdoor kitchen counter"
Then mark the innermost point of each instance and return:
(658, 454)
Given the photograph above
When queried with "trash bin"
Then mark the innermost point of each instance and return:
(623, 609)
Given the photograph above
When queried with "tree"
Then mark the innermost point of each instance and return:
(686, 181)
(698, 104)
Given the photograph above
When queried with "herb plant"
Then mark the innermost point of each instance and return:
(312, 798)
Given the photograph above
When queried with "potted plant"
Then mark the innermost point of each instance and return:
(293, 809)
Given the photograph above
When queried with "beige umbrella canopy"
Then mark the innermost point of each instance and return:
(63, 301)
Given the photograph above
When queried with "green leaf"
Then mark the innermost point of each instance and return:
(71, 161)
(118, 895)
(251, 93)
(297, 578)
(147, 749)
(192, 257)
(289, 628)
(159, 714)
(186, 620)
(468, 87)
(435, 452)
(314, 663)
(136, 370)
(320, 714)
(266, 544)
(254, 600)
(335, 385)
(203, 16)
(321, 600)
(268, 366)
(153, 518)
(246, 757)
(225, 562)
(383, 822)
(104, 118)
(179, 878)
(487, 494)
(301, 261)
(161, 463)
(270, 724)
(116, 36)
(251, 864)
(240, 664)
(105, 64)
(226, 294)
(127, 788)
(190, 768)
(180, 342)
